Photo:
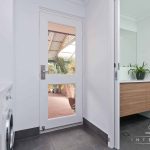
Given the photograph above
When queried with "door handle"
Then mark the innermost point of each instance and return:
(43, 72)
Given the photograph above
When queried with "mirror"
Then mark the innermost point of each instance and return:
(128, 47)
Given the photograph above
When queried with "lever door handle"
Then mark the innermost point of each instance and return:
(43, 72)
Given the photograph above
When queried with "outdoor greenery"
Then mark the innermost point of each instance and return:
(61, 66)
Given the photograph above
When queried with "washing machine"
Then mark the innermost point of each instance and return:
(6, 118)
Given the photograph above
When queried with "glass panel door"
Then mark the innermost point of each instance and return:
(61, 70)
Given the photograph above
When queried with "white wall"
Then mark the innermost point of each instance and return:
(26, 49)
(99, 69)
(6, 40)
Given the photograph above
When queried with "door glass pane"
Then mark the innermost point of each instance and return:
(61, 49)
(61, 100)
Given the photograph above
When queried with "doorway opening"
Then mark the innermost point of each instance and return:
(134, 74)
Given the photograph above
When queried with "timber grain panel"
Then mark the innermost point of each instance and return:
(134, 98)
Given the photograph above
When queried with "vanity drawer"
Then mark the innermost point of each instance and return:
(134, 98)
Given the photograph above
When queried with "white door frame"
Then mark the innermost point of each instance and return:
(62, 79)
(117, 83)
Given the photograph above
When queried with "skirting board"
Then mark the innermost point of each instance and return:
(19, 135)
(93, 128)
(23, 134)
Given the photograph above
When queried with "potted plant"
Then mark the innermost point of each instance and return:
(139, 71)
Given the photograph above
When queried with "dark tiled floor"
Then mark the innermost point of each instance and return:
(77, 138)
(132, 127)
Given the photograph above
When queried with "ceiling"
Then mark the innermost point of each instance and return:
(57, 44)
(82, 2)
(135, 9)
(60, 39)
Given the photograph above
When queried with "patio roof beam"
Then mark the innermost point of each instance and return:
(61, 32)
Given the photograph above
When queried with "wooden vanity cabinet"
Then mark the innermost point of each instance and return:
(134, 98)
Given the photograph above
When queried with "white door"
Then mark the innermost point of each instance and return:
(117, 83)
(60, 69)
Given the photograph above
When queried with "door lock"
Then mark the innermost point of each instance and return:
(43, 128)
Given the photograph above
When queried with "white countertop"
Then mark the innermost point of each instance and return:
(134, 81)
(5, 86)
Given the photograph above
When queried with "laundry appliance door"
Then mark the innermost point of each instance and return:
(9, 131)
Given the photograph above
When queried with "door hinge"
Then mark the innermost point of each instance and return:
(117, 65)
(116, 75)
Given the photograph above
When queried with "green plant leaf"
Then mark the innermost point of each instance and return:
(138, 69)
